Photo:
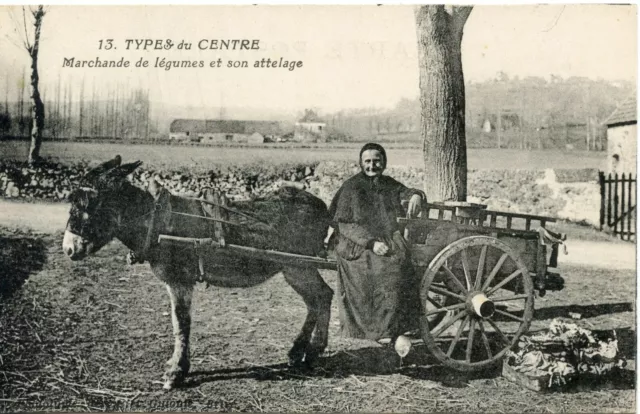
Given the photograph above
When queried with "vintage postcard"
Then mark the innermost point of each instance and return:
(371, 208)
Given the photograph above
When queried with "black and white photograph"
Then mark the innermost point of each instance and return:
(318, 208)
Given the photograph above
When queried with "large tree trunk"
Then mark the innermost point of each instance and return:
(442, 99)
(37, 108)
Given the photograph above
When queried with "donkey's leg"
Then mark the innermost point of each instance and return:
(179, 364)
(317, 296)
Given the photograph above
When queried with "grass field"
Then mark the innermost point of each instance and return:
(164, 156)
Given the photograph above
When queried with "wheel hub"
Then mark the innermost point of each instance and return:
(480, 305)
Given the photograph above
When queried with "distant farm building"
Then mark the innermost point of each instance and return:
(310, 128)
(622, 138)
(220, 131)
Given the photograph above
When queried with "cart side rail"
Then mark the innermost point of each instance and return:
(477, 215)
(429, 224)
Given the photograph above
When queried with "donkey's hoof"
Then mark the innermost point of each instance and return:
(311, 355)
(304, 357)
(172, 382)
(173, 379)
(296, 356)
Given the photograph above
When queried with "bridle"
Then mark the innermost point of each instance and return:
(115, 216)
(112, 214)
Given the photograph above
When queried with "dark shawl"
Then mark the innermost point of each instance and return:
(373, 203)
(378, 295)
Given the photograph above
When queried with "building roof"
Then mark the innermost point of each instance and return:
(625, 113)
(310, 116)
(224, 126)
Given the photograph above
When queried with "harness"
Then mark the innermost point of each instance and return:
(215, 208)
(132, 256)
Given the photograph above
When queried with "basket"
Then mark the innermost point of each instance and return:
(551, 361)
(539, 383)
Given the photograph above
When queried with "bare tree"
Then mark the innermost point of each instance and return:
(6, 95)
(82, 110)
(442, 97)
(148, 114)
(69, 106)
(116, 110)
(93, 110)
(31, 42)
(21, 122)
(55, 126)
(65, 108)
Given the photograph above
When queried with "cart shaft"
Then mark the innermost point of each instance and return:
(291, 259)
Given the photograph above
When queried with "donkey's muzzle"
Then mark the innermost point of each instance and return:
(73, 246)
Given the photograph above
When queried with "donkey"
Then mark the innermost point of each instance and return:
(108, 206)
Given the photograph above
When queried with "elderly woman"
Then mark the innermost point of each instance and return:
(378, 294)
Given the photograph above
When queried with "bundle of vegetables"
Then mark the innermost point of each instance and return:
(538, 364)
(565, 352)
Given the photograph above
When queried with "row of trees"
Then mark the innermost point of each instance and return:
(114, 111)
(124, 113)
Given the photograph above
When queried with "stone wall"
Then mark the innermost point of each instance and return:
(54, 182)
(566, 194)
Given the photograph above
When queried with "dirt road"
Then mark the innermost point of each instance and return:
(40, 217)
(51, 217)
(94, 335)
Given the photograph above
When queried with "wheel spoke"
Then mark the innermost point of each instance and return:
(472, 330)
(465, 267)
(445, 309)
(434, 302)
(443, 291)
(514, 297)
(483, 255)
(454, 279)
(495, 270)
(485, 340)
(504, 282)
(509, 315)
(446, 326)
(499, 332)
(457, 337)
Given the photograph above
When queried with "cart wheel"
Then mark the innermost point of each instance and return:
(489, 296)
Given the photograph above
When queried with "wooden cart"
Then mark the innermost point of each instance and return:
(478, 269)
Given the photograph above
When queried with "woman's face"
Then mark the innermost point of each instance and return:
(372, 163)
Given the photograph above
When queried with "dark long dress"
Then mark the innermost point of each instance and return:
(378, 295)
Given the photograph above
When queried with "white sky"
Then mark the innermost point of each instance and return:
(353, 56)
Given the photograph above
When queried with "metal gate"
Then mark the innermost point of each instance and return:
(618, 204)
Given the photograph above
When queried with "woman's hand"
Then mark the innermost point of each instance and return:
(415, 206)
(380, 248)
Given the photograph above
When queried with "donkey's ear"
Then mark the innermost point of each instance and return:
(103, 168)
(126, 169)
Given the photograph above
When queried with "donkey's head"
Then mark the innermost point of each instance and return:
(96, 208)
